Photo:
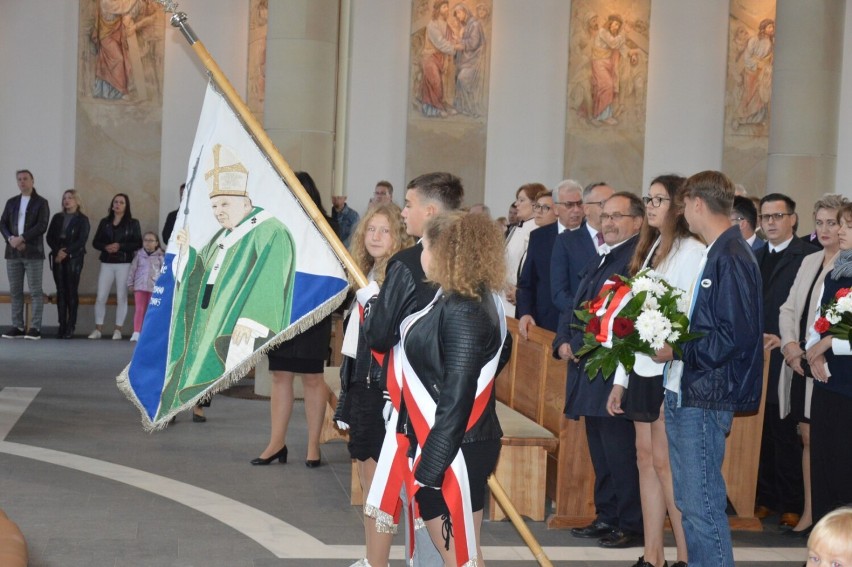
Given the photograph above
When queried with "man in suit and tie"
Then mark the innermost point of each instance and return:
(573, 249)
(612, 440)
(534, 306)
(744, 215)
(779, 482)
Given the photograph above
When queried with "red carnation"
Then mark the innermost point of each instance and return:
(617, 282)
(822, 325)
(842, 292)
(622, 327)
(594, 325)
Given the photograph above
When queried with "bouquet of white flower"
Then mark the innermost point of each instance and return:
(630, 315)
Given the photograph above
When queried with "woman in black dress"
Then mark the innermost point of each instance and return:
(304, 354)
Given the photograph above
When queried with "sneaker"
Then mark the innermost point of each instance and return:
(134, 337)
(96, 334)
(116, 335)
(361, 563)
(33, 334)
(14, 333)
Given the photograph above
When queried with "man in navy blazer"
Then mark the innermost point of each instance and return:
(744, 215)
(534, 306)
(574, 249)
(612, 439)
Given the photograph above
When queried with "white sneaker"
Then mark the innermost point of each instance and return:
(361, 563)
(134, 337)
(116, 335)
(96, 334)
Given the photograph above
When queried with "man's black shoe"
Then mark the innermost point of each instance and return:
(33, 334)
(595, 529)
(14, 333)
(617, 539)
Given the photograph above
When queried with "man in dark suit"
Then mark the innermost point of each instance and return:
(779, 485)
(169, 227)
(534, 306)
(573, 249)
(612, 440)
(744, 215)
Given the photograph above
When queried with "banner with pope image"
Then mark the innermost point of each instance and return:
(245, 269)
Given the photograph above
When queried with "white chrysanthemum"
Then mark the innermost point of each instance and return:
(844, 304)
(832, 317)
(651, 303)
(653, 328)
(652, 286)
(673, 336)
(683, 304)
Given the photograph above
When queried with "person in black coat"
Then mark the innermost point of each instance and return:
(780, 485)
(534, 304)
(67, 236)
(612, 439)
(118, 237)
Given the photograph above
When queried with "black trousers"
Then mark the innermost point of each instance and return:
(780, 485)
(831, 451)
(66, 276)
(612, 446)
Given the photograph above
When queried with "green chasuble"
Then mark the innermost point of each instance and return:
(244, 277)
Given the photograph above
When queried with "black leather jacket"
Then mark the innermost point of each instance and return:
(127, 234)
(363, 369)
(447, 348)
(76, 235)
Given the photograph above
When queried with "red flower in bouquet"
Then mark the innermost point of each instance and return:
(594, 325)
(822, 324)
(842, 292)
(622, 327)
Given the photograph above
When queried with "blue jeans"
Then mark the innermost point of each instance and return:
(696, 450)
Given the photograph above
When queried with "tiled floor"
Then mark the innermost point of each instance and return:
(89, 488)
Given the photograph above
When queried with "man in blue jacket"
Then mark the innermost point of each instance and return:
(722, 369)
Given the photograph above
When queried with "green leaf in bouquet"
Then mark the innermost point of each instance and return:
(609, 365)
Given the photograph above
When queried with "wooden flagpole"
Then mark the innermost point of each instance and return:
(179, 20)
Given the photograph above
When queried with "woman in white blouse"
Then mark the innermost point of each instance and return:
(666, 246)
(518, 240)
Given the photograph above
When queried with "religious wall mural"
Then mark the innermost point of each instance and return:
(119, 108)
(256, 76)
(607, 85)
(448, 89)
(751, 45)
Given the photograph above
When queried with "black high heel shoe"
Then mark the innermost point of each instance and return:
(312, 464)
(280, 455)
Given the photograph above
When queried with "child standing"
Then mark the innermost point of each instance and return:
(144, 271)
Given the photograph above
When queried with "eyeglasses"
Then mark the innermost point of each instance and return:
(774, 216)
(655, 201)
(614, 216)
(598, 203)
(544, 208)
(570, 204)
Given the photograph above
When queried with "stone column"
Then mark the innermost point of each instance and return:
(805, 102)
(301, 78)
